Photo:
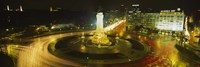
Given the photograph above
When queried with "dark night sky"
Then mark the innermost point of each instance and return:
(106, 4)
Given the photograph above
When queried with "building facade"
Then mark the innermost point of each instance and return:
(168, 20)
(171, 20)
(147, 20)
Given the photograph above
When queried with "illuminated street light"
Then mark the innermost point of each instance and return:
(20, 7)
(8, 8)
(7, 30)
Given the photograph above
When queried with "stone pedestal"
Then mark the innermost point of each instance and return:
(100, 39)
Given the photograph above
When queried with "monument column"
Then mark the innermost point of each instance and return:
(100, 38)
(99, 23)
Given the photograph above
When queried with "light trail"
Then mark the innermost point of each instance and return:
(111, 27)
(187, 34)
(166, 50)
(36, 54)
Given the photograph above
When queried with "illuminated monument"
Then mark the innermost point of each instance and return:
(99, 37)
(101, 48)
(99, 24)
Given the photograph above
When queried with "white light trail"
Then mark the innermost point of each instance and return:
(36, 54)
(186, 29)
(111, 27)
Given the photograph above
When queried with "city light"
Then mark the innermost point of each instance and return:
(20, 8)
(167, 23)
(120, 33)
(111, 27)
(8, 8)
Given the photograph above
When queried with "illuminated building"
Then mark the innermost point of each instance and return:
(20, 8)
(171, 20)
(135, 7)
(148, 20)
(139, 18)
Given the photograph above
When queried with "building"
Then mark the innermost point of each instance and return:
(167, 20)
(146, 20)
(171, 20)
(9, 5)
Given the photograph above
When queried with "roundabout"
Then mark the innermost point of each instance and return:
(82, 50)
(98, 48)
